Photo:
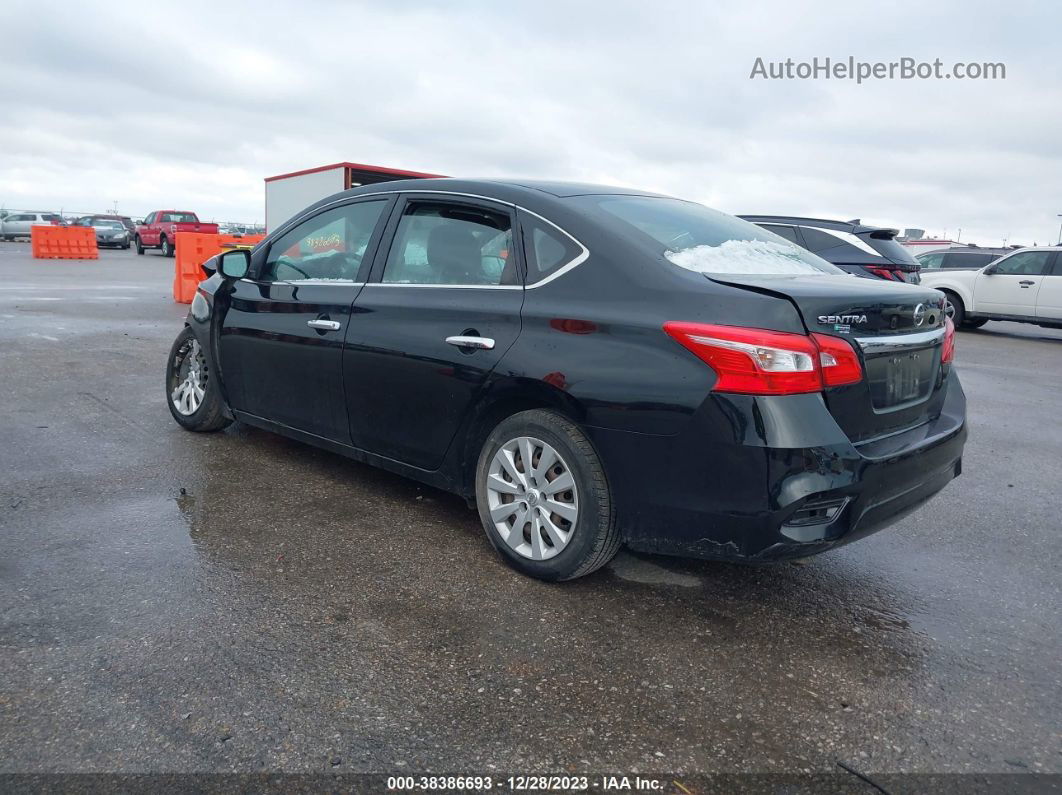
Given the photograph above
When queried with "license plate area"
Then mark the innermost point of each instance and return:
(901, 379)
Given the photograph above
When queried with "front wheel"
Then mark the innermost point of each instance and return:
(167, 249)
(139, 245)
(192, 391)
(544, 499)
(955, 309)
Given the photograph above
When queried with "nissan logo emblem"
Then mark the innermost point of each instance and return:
(920, 314)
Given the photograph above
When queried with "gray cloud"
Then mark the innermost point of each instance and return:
(193, 104)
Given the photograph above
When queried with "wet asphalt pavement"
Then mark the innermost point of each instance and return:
(180, 602)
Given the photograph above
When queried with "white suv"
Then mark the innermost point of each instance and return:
(1025, 286)
(17, 224)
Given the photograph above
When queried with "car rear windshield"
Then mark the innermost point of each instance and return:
(893, 251)
(707, 241)
(182, 218)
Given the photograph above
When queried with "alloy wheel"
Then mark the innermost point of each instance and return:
(532, 498)
(189, 376)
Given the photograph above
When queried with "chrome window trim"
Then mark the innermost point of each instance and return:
(900, 342)
(449, 286)
(301, 282)
(578, 260)
(318, 282)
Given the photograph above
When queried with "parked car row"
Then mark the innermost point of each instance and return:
(157, 230)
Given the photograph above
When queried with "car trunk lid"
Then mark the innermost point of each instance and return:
(898, 331)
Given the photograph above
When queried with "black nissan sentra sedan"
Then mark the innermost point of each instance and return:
(595, 367)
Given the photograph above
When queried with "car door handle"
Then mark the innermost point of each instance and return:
(483, 343)
(324, 325)
(1026, 283)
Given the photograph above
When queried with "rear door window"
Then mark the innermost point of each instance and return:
(448, 243)
(931, 261)
(967, 260)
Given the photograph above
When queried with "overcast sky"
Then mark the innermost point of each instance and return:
(190, 105)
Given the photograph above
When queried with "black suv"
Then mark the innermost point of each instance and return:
(869, 251)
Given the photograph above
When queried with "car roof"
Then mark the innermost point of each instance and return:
(498, 187)
(1034, 248)
(968, 250)
(855, 227)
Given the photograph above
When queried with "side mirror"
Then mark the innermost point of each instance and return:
(234, 264)
(989, 271)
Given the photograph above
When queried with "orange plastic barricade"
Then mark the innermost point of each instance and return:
(191, 251)
(63, 242)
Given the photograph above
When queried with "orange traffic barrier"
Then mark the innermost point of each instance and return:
(63, 242)
(191, 251)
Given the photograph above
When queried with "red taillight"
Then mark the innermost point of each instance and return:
(752, 361)
(886, 273)
(947, 351)
(839, 361)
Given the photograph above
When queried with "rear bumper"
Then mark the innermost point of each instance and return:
(761, 479)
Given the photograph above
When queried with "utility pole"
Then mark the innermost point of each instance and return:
(1059, 231)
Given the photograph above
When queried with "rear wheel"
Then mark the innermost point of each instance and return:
(164, 244)
(192, 391)
(544, 499)
(139, 245)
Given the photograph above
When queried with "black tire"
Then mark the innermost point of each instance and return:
(974, 322)
(164, 244)
(9, 238)
(210, 414)
(958, 309)
(594, 538)
(139, 246)
(125, 247)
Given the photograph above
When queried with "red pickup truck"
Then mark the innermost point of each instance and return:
(160, 229)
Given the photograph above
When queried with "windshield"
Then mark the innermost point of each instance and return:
(707, 241)
(105, 224)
